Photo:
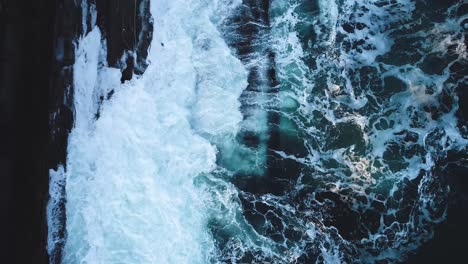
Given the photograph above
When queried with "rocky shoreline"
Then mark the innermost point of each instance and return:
(126, 27)
(37, 41)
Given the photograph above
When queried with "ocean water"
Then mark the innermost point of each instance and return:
(282, 131)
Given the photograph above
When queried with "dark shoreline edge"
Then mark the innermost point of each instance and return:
(61, 117)
(37, 40)
(126, 28)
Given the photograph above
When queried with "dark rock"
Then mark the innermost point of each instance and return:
(127, 31)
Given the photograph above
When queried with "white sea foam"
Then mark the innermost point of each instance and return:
(54, 209)
(142, 182)
(130, 187)
(329, 13)
(337, 58)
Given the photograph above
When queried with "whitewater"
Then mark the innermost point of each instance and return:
(130, 192)
(262, 132)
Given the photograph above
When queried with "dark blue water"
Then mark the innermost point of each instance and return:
(364, 125)
(281, 131)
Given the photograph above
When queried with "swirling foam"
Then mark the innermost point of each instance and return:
(130, 181)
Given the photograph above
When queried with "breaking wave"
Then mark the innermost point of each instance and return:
(265, 132)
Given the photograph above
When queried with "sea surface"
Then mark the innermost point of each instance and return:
(281, 131)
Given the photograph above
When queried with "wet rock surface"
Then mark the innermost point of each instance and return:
(37, 40)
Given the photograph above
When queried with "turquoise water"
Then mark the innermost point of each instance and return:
(266, 132)
(363, 114)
